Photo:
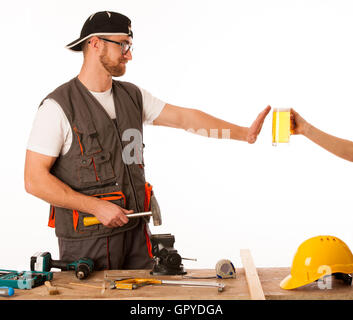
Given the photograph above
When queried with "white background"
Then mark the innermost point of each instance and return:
(227, 58)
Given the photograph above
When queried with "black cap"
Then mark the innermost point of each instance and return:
(102, 23)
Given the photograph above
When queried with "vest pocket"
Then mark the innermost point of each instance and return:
(96, 168)
(87, 138)
(109, 193)
(91, 143)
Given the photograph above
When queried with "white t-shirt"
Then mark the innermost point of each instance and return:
(51, 133)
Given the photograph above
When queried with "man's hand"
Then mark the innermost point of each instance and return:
(256, 126)
(298, 124)
(111, 215)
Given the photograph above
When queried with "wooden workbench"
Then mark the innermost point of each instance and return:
(236, 289)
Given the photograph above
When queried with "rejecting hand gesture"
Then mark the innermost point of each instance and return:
(256, 126)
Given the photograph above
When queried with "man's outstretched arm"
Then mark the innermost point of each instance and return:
(196, 121)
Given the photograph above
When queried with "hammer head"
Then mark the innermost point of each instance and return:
(156, 212)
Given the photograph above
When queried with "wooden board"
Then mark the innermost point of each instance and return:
(272, 277)
(63, 282)
(254, 284)
(236, 289)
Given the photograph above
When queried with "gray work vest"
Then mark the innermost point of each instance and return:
(94, 163)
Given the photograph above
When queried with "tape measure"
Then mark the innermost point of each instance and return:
(225, 269)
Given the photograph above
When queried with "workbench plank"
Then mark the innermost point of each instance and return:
(236, 289)
(272, 277)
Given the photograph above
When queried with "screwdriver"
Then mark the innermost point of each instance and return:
(6, 291)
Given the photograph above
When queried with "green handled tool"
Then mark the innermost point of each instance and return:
(23, 279)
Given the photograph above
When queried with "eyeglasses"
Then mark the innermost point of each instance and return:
(125, 47)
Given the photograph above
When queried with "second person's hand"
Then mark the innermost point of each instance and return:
(298, 124)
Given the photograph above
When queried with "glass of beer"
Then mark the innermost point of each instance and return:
(281, 126)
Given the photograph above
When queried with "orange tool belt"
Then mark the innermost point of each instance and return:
(148, 194)
(75, 215)
(104, 196)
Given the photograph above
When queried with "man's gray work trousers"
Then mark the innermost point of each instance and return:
(125, 250)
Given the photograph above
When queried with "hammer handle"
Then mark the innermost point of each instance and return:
(90, 221)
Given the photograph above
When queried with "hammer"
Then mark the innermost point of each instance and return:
(155, 213)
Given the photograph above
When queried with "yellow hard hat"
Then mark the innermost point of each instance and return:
(317, 257)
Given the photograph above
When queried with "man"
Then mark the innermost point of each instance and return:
(340, 147)
(79, 151)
